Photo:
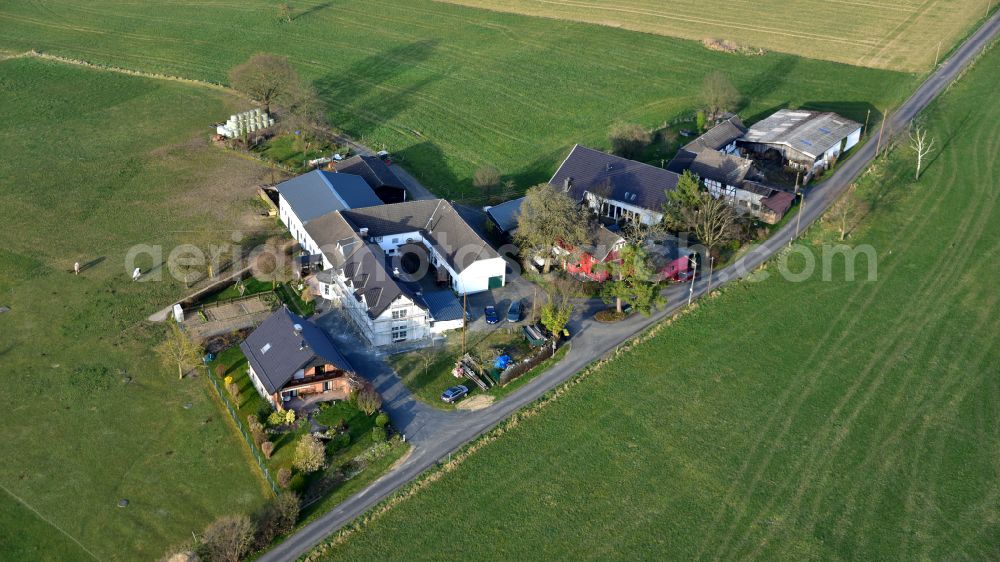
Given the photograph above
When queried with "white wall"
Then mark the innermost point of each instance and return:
(394, 241)
(740, 199)
(476, 277)
(648, 217)
(260, 387)
(290, 219)
(852, 139)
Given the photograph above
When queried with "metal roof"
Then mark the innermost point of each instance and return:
(628, 181)
(809, 132)
(319, 192)
(719, 136)
(443, 305)
(506, 214)
(284, 343)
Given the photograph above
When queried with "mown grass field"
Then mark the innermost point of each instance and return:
(93, 163)
(778, 421)
(447, 88)
(899, 35)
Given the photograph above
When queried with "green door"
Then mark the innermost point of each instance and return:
(496, 282)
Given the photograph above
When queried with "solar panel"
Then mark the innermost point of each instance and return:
(824, 130)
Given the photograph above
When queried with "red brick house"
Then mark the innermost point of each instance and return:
(290, 357)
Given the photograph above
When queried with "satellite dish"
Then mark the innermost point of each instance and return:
(297, 327)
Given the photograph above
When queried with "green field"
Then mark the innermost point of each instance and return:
(899, 35)
(93, 163)
(778, 421)
(447, 88)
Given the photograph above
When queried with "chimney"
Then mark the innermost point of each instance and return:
(608, 167)
(302, 345)
(363, 232)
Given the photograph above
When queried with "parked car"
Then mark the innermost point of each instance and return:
(454, 394)
(514, 312)
(491, 315)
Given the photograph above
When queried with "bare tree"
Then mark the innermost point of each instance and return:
(178, 350)
(714, 222)
(285, 12)
(921, 145)
(628, 139)
(310, 454)
(368, 399)
(229, 538)
(486, 178)
(601, 194)
(718, 94)
(266, 78)
(846, 211)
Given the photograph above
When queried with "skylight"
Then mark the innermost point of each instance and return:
(264, 349)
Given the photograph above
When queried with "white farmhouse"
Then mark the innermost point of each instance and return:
(317, 193)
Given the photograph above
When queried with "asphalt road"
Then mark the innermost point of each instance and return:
(436, 434)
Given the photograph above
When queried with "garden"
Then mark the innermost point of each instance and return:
(316, 455)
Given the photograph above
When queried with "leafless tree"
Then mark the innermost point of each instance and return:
(229, 538)
(368, 399)
(718, 94)
(846, 211)
(549, 217)
(178, 350)
(486, 178)
(310, 454)
(921, 145)
(714, 222)
(285, 12)
(266, 78)
(628, 139)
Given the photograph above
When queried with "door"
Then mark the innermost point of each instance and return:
(496, 282)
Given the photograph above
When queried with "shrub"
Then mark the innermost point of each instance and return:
(339, 442)
(700, 120)
(229, 378)
(310, 454)
(284, 477)
(267, 448)
(276, 418)
(290, 416)
(220, 371)
(379, 434)
(276, 518)
(382, 419)
(256, 430)
(229, 538)
(234, 390)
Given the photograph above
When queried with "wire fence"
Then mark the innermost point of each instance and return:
(243, 431)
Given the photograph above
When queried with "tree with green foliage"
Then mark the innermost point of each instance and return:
(628, 140)
(266, 78)
(699, 120)
(632, 281)
(310, 454)
(379, 434)
(179, 350)
(555, 314)
(549, 217)
(382, 419)
(687, 195)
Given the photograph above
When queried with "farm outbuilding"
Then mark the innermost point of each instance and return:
(808, 140)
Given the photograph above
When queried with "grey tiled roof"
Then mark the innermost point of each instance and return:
(506, 214)
(319, 192)
(436, 219)
(629, 181)
(276, 350)
(719, 136)
(372, 169)
(725, 168)
(809, 132)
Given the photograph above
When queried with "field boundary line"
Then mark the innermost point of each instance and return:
(46, 519)
(129, 72)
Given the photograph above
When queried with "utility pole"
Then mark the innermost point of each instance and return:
(866, 119)
(694, 276)
(798, 213)
(798, 216)
(878, 146)
(937, 56)
(465, 320)
(711, 267)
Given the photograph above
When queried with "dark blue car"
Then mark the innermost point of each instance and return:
(491, 315)
(454, 394)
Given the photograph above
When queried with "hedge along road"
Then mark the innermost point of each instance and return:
(438, 434)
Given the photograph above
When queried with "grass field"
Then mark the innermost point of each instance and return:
(93, 163)
(899, 35)
(447, 88)
(778, 421)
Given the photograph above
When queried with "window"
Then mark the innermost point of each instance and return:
(397, 314)
(326, 289)
(395, 240)
(398, 333)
